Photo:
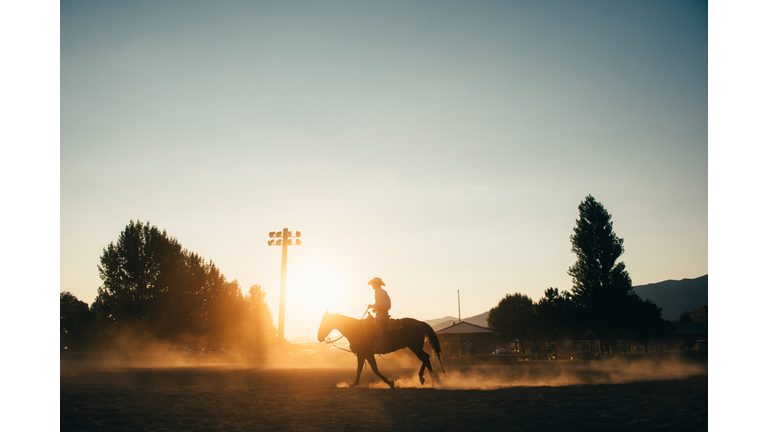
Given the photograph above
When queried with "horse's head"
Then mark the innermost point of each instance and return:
(325, 328)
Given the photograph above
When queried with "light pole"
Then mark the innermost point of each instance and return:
(458, 339)
(284, 240)
(458, 293)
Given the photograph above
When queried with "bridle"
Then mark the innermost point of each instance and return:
(328, 340)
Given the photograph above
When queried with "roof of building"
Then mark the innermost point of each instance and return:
(688, 328)
(465, 327)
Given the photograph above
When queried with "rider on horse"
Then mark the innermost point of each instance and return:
(381, 308)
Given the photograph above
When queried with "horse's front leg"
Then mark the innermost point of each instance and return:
(360, 362)
(372, 361)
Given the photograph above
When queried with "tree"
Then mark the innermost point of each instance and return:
(645, 321)
(74, 319)
(514, 317)
(260, 325)
(143, 278)
(601, 286)
(152, 286)
(686, 317)
(556, 316)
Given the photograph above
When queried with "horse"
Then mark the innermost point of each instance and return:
(410, 335)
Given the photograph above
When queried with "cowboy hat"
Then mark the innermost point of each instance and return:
(376, 281)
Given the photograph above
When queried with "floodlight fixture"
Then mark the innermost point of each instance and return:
(283, 239)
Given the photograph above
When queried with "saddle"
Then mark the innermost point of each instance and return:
(392, 324)
(387, 329)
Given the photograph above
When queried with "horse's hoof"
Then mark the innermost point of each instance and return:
(352, 385)
(421, 379)
(392, 384)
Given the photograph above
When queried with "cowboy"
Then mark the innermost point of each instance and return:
(381, 308)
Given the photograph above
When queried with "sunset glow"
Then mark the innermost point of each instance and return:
(312, 289)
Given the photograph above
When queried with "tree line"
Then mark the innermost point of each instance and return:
(601, 305)
(154, 289)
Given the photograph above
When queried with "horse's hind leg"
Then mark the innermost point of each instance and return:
(375, 369)
(421, 373)
(425, 363)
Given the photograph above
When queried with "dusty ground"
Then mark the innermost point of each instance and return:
(232, 395)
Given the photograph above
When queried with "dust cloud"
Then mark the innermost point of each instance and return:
(554, 374)
(134, 350)
(234, 392)
(402, 366)
(143, 351)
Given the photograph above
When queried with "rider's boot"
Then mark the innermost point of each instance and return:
(379, 345)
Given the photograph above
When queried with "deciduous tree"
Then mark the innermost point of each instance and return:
(260, 325)
(151, 285)
(556, 316)
(75, 319)
(514, 317)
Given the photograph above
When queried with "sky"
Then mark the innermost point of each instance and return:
(441, 146)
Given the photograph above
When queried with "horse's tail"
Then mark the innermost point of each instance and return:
(434, 342)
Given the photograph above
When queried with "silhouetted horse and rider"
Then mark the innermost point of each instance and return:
(366, 337)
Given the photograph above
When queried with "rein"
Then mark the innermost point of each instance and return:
(329, 341)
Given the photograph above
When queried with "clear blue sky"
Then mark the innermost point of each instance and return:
(441, 146)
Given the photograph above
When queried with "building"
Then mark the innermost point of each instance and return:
(465, 339)
(687, 336)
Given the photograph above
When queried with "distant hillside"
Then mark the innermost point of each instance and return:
(441, 323)
(676, 296)
(438, 321)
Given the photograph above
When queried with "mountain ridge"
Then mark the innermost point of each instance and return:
(676, 296)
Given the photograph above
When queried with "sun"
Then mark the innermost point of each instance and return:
(317, 283)
(313, 288)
